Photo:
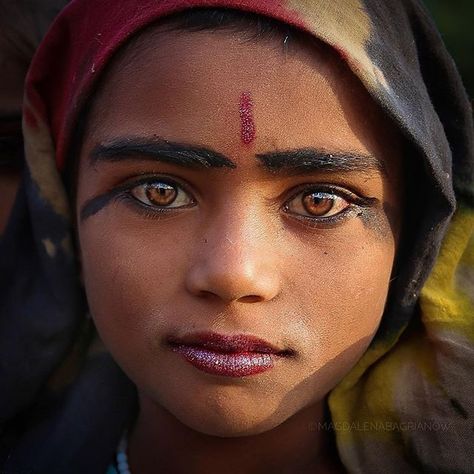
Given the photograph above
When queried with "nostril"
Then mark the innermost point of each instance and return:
(250, 299)
(243, 299)
(207, 295)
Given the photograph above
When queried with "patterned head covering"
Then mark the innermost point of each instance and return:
(407, 405)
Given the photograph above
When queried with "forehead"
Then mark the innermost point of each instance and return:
(189, 87)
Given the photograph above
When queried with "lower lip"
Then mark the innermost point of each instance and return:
(237, 364)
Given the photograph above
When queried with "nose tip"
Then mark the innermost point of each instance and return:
(250, 280)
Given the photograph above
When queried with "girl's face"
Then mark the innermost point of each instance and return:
(240, 189)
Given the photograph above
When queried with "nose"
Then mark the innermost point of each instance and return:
(236, 260)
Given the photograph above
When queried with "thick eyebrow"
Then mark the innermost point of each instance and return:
(308, 160)
(159, 149)
(283, 163)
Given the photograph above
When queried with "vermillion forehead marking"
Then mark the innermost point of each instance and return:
(247, 124)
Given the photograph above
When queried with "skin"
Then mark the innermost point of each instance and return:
(236, 261)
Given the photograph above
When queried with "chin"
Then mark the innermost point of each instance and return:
(231, 426)
(227, 414)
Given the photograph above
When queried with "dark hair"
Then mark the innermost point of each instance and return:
(252, 26)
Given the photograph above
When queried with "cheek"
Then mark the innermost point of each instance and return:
(132, 277)
(341, 289)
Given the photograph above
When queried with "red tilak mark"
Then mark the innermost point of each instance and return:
(247, 125)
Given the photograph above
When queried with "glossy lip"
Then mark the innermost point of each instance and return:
(232, 356)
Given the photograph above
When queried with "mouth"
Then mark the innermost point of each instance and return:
(232, 356)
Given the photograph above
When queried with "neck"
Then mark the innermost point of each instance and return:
(159, 442)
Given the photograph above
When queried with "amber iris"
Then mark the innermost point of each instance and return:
(160, 194)
(317, 205)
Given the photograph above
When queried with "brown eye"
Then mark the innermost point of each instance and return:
(317, 204)
(161, 194)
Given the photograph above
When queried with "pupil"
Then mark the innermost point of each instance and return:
(162, 194)
(317, 205)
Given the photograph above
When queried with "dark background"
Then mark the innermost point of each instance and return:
(455, 20)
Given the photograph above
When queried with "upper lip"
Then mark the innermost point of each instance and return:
(227, 343)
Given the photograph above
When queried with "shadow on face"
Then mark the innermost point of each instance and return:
(252, 191)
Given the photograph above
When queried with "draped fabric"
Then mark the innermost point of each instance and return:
(406, 406)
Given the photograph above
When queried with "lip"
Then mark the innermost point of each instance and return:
(232, 356)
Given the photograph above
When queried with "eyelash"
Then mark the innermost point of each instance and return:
(124, 193)
(355, 202)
